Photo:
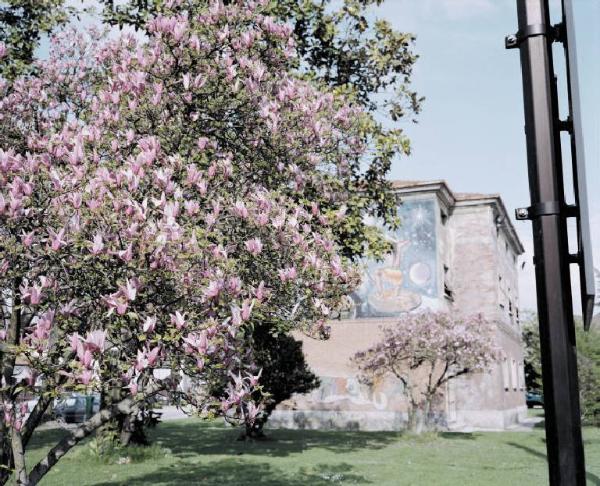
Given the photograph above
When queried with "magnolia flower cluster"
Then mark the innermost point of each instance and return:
(457, 343)
(427, 349)
(156, 197)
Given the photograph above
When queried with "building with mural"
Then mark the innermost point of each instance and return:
(453, 252)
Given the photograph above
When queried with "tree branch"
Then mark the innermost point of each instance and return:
(65, 445)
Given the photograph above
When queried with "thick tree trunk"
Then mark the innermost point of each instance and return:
(18, 454)
(254, 431)
(7, 367)
(127, 429)
(418, 418)
(6, 462)
(66, 444)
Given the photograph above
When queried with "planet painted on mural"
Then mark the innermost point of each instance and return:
(420, 274)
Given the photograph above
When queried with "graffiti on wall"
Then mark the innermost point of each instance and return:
(338, 390)
(407, 278)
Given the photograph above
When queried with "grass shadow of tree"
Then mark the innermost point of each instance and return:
(185, 439)
(458, 435)
(591, 477)
(238, 472)
(46, 438)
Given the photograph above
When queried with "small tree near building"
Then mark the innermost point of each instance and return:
(425, 351)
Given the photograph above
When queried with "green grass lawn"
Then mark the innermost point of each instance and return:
(189, 452)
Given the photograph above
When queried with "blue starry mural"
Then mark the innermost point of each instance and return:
(407, 278)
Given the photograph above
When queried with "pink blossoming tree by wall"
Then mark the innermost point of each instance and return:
(156, 200)
(425, 351)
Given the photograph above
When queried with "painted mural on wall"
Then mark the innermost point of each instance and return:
(407, 279)
(348, 391)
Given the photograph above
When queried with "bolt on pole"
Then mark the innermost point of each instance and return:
(548, 213)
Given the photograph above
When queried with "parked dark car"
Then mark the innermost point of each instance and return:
(76, 408)
(533, 398)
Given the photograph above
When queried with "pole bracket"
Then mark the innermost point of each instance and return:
(546, 208)
(555, 33)
(566, 125)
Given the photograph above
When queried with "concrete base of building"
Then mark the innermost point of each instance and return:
(337, 420)
(471, 420)
(466, 420)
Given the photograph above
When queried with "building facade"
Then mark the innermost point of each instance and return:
(452, 252)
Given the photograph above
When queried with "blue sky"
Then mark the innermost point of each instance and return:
(470, 132)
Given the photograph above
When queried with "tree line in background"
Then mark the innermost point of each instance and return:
(588, 363)
(184, 201)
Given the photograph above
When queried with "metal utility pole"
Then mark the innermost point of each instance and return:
(548, 213)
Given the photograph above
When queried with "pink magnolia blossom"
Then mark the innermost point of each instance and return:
(240, 210)
(57, 239)
(85, 377)
(202, 143)
(32, 294)
(116, 302)
(178, 319)
(254, 246)
(213, 289)
(191, 207)
(234, 285)
(152, 355)
(127, 254)
(95, 341)
(261, 291)
(149, 324)
(288, 274)
(246, 310)
(97, 245)
(197, 342)
(129, 290)
(27, 238)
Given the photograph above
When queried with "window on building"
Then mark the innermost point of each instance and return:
(505, 374)
(448, 293)
(521, 377)
(515, 374)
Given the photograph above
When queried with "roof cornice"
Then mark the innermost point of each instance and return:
(453, 200)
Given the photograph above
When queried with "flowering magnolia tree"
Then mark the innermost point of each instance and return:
(425, 351)
(157, 199)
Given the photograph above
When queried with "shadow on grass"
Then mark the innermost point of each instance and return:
(237, 472)
(529, 450)
(45, 439)
(458, 435)
(191, 439)
(591, 477)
